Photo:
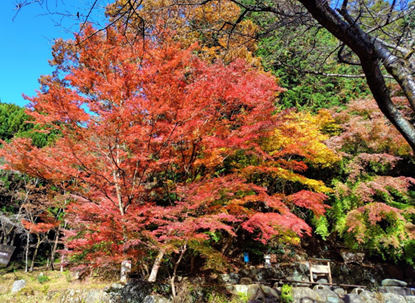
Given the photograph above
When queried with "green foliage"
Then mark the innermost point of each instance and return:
(287, 293)
(372, 206)
(42, 278)
(321, 226)
(12, 121)
(217, 298)
(243, 297)
(297, 60)
(15, 123)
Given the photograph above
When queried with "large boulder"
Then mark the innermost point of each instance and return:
(394, 282)
(135, 291)
(392, 298)
(304, 295)
(357, 275)
(327, 295)
(371, 297)
(410, 299)
(402, 291)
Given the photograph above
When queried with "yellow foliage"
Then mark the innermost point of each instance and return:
(212, 25)
(302, 135)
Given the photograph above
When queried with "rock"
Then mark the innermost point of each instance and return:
(410, 299)
(245, 281)
(223, 279)
(198, 280)
(392, 298)
(304, 295)
(317, 287)
(265, 274)
(115, 287)
(237, 288)
(135, 291)
(249, 273)
(72, 296)
(326, 295)
(234, 278)
(357, 290)
(357, 275)
(251, 292)
(299, 276)
(18, 285)
(402, 291)
(394, 282)
(155, 299)
(96, 295)
(86, 296)
(255, 292)
(339, 291)
(353, 298)
(351, 257)
(370, 297)
(269, 292)
(231, 278)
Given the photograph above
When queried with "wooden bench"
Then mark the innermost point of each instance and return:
(320, 267)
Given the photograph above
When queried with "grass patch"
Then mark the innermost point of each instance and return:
(43, 288)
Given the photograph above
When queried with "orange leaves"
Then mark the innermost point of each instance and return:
(310, 200)
(212, 25)
(39, 227)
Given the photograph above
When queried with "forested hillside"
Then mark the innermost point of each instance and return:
(180, 136)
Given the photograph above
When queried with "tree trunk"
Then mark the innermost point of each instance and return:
(192, 263)
(35, 252)
(13, 238)
(371, 54)
(27, 250)
(156, 266)
(55, 245)
(176, 265)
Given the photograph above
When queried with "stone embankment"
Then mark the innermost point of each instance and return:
(136, 291)
(393, 291)
(352, 283)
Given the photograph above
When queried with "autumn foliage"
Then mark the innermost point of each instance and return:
(372, 205)
(159, 149)
(215, 25)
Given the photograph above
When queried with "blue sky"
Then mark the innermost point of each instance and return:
(26, 43)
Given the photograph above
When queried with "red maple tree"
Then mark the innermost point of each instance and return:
(145, 130)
